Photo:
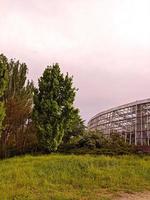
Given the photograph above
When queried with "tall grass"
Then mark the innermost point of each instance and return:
(61, 177)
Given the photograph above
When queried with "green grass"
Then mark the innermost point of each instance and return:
(61, 177)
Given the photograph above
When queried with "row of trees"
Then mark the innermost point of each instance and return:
(33, 118)
(44, 119)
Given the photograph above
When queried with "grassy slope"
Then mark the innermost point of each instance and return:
(59, 177)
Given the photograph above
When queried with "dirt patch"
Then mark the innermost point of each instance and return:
(136, 196)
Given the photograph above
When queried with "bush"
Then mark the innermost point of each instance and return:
(96, 143)
(92, 140)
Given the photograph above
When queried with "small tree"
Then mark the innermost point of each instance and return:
(53, 110)
(3, 85)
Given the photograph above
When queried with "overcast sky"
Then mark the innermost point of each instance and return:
(104, 44)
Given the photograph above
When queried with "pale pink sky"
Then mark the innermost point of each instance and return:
(104, 44)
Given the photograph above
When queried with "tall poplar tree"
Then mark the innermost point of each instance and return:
(53, 110)
(3, 85)
(18, 100)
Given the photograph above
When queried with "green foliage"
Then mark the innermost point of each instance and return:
(75, 129)
(116, 146)
(58, 177)
(92, 140)
(3, 85)
(18, 99)
(97, 143)
(53, 110)
(18, 85)
(3, 74)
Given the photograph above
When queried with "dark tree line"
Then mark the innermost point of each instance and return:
(32, 118)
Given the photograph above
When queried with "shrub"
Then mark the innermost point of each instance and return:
(96, 143)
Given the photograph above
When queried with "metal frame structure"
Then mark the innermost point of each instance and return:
(131, 121)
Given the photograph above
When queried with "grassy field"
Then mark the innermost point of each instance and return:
(60, 177)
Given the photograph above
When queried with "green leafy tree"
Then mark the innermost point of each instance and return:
(75, 129)
(18, 99)
(53, 110)
(3, 85)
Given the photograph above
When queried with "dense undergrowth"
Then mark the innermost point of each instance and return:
(61, 177)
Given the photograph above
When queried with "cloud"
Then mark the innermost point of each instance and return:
(104, 44)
